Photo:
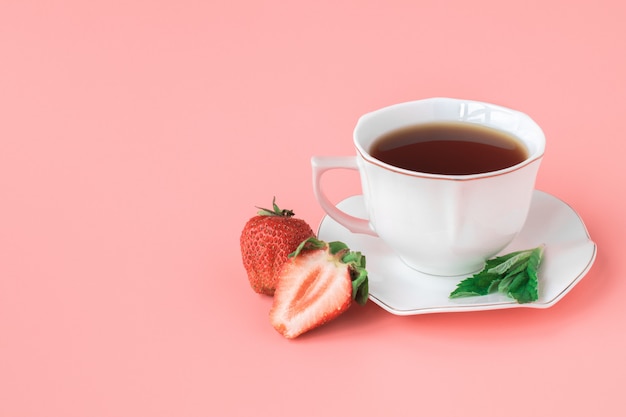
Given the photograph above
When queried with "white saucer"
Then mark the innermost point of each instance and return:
(569, 254)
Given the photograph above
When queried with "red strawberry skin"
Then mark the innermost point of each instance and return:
(313, 288)
(266, 241)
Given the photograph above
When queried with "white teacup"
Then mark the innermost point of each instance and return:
(438, 224)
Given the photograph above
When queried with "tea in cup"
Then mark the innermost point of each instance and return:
(446, 183)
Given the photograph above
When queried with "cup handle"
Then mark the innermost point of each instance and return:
(320, 165)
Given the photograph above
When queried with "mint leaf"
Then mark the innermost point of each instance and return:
(478, 284)
(513, 274)
(509, 261)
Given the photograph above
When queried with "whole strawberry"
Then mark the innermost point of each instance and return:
(266, 241)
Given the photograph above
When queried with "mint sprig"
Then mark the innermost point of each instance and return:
(514, 274)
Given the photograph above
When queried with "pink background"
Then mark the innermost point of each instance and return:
(137, 137)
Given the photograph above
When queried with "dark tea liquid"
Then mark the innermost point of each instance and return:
(450, 148)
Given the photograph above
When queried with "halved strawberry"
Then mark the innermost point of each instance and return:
(316, 285)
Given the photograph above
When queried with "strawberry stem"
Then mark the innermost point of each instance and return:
(275, 211)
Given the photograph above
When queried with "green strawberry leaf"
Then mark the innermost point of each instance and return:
(336, 247)
(309, 243)
(360, 285)
(514, 274)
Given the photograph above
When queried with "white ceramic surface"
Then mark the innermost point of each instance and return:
(569, 254)
(439, 224)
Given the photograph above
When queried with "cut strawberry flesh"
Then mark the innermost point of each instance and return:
(313, 288)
